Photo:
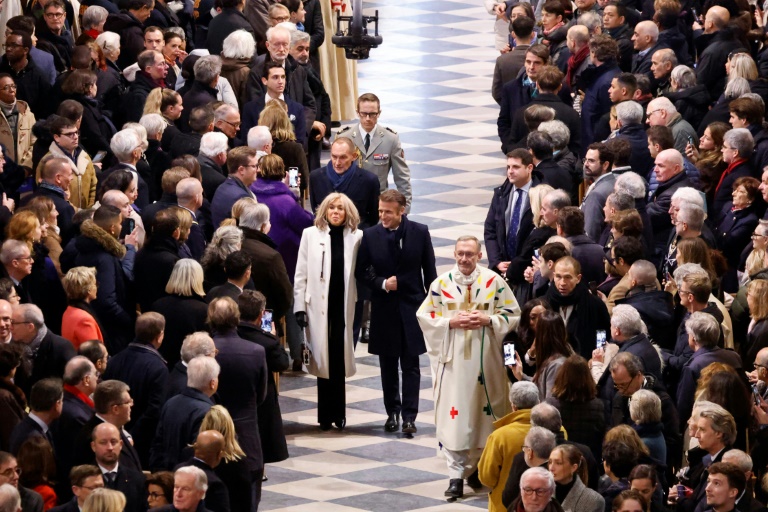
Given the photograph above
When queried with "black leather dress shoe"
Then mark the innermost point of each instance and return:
(340, 424)
(409, 427)
(474, 481)
(455, 489)
(392, 423)
(325, 426)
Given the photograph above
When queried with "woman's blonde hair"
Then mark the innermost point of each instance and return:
(275, 117)
(22, 226)
(706, 375)
(185, 222)
(759, 288)
(77, 282)
(218, 419)
(104, 500)
(186, 279)
(536, 196)
(272, 167)
(743, 66)
(351, 217)
(160, 99)
(237, 210)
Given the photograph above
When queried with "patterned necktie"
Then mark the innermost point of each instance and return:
(514, 225)
(367, 141)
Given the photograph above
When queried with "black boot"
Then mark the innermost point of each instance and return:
(455, 489)
(474, 481)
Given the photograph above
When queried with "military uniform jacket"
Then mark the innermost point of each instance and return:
(383, 153)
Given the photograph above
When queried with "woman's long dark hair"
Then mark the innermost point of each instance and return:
(551, 340)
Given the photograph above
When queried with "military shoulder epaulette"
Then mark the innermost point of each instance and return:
(344, 129)
(391, 130)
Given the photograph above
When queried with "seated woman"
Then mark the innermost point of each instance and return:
(737, 221)
(79, 322)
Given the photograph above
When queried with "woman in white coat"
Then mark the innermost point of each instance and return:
(325, 293)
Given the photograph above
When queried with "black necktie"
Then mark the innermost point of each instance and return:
(367, 141)
(111, 477)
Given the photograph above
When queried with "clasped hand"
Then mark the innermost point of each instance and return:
(469, 320)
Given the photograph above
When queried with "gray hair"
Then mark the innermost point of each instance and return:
(13, 250)
(524, 395)
(621, 201)
(558, 131)
(10, 500)
(140, 131)
(629, 361)
(299, 37)
(153, 123)
(663, 103)
(187, 189)
(201, 481)
(667, 56)
(278, 28)
(207, 68)
(238, 45)
(541, 441)
(30, 313)
(693, 215)
(201, 370)
(754, 97)
(630, 183)
(645, 407)
(739, 458)
(108, 41)
(627, 319)
(591, 20)
(213, 144)
(558, 198)
(178, 31)
(722, 422)
(644, 272)
(687, 269)
(629, 112)
(740, 139)
(226, 240)
(704, 329)
(547, 416)
(94, 16)
(258, 137)
(737, 88)
(222, 111)
(254, 216)
(197, 344)
(123, 143)
(688, 195)
(684, 76)
(541, 473)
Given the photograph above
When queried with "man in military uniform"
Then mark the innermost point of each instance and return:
(379, 146)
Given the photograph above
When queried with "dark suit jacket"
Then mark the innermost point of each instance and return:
(84, 455)
(177, 381)
(242, 388)
(226, 195)
(363, 190)
(178, 427)
(223, 290)
(75, 413)
(590, 255)
(658, 209)
(213, 175)
(563, 112)
(50, 360)
(217, 495)
(70, 506)
(132, 484)
(689, 377)
(408, 255)
(23, 431)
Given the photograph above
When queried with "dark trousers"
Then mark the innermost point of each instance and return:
(408, 407)
(256, 481)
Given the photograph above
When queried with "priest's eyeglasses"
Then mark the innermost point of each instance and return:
(539, 492)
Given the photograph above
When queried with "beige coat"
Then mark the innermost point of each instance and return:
(21, 153)
(82, 188)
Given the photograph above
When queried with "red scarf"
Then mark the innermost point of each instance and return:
(728, 171)
(79, 394)
(574, 61)
(547, 32)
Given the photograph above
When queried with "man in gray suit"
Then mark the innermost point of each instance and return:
(379, 147)
(509, 64)
(597, 166)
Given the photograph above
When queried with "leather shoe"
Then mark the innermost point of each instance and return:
(473, 481)
(455, 489)
(392, 422)
(409, 427)
(325, 426)
(340, 424)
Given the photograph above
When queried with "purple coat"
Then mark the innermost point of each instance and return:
(287, 217)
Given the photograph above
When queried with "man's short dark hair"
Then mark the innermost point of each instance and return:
(621, 149)
(735, 475)
(70, 109)
(107, 394)
(554, 7)
(79, 474)
(522, 27)
(540, 144)
(92, 350)
(58, 124)
(571, 220)
(149, 326)
(237, 264)
(620, 457)
(106, 215)
(643, 83)
(604, 47)
(21, 24)
(621, 10)
(549, 78)
(135, 5)
(521, 154)
(604, 152)
(629, 248)
(251, 304)
(201, 118)
(628, 81)
(554, 251)
(751, 110)
(165, 223)
(661, 135)
(230, 4)
(26, 39)
(45, 393)
(268, 66)
(393, 196)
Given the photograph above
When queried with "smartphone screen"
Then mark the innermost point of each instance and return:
(98, 157)
(536, 253)
(600, 339)
(509, 354)
(293, 177)
(266, 320)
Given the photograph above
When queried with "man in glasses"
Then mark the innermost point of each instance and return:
(84, 480)
(9, 474)
(56, 32)
(32, 85)
(537, 491)
(15, 123)
(379, 147)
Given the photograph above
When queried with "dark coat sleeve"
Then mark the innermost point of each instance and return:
(490, 233)
(315, 27)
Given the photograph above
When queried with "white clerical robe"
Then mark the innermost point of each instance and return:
(468, 374)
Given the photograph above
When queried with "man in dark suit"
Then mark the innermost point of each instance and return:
(597, 166)
(242, 164)
(45, 353)
(17, 261)
(196, 344)
(397, 262)
(237, 267)
(112, 403)
(570, 224)
(645, 40)
(243, 383)
(209, 450)
(193, 480)
(189, 193)
(274, 81)
(542, 148)
(83, 480)
(80, 381)
(510, 219)
(107, 444)
(671, 176)
(508, 64)
(168, 182)
(144, 370)
(212, 157)
(200, 122)
(182, 415)
(343, 175)
(45, 404)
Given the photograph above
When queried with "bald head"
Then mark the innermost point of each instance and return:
(717, 18)
(762, 357)
(117, 199)
(209, 447)
(578, 35)
(672, 156)
(189, 190)
(104, 431)
(646, 34)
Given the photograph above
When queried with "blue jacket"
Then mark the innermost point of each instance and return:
(596, 101)
(179, 425)
(226, 195)
(44, 62)
(689, 376)
(642, 163)
(252, 109)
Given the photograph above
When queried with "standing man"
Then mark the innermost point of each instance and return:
(465, 316)
(379, 147)
(396, 259)
(597, 166)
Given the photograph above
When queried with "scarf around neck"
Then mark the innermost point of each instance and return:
(340, 182)
(574, 61)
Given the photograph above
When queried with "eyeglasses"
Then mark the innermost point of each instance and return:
(30, 258)
(280, 19)
(622, 386)
(654, 111)
(756, 236)
(759, 366)
(11, 46)
(54, 15)
(686, 292)
(233, 125)
(10, 472)
(91, 488)
(14, 322)
(10, 87)
(369, 115)
(280, 46)
(156, 495)
(539, 492)
(129, 402)
(71, 135)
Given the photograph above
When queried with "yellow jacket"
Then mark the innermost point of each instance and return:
(82, 188)
(21, 152)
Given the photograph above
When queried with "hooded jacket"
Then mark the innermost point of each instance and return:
(82, 188)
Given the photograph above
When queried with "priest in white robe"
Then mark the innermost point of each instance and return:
(464, 318)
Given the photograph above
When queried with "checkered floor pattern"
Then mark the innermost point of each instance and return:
(433, 76)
